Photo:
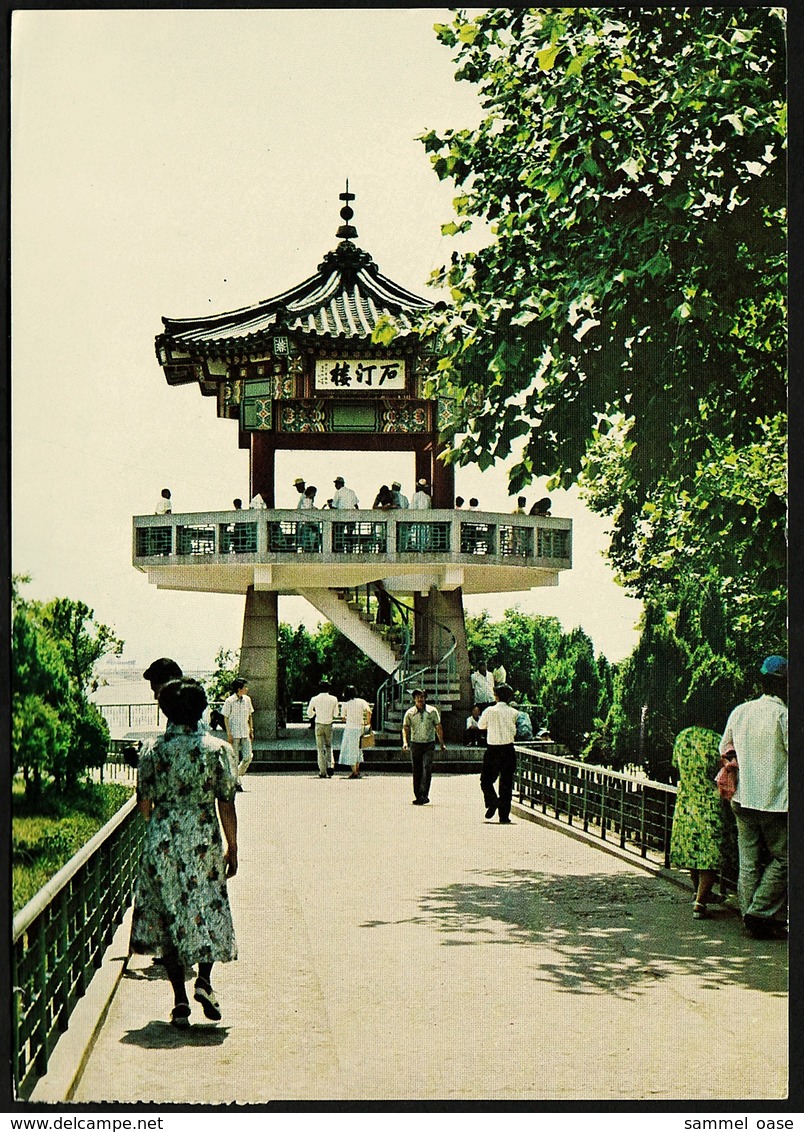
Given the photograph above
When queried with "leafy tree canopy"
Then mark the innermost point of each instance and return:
(626, 323)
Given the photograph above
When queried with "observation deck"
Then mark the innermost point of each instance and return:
(289, 551)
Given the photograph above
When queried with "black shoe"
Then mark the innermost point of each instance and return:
(330, 772)
(206, 996)
(425, 801)
(239, 789)
(758, 927)
(323, 776)
(492, 810)
(180, 1016)
(506, 821)
(417, 802)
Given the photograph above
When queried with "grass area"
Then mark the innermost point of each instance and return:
(46, 834)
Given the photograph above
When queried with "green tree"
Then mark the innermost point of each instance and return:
(570, 688)
(82, 640)
(219, 685)
(57, 733)
(681, 674)
(343, 663)
(625, 326)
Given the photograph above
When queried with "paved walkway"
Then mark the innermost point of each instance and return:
(390, 951)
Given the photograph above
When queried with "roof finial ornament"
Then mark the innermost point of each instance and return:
(346, 231)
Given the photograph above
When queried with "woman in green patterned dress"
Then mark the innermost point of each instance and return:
(699, 820)
(185, 791)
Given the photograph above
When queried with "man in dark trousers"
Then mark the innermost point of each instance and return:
(756, 732)
(420, 728)
(499, 760)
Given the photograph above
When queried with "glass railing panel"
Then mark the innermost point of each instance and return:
(360, 538)
(237, 538)
(477, 538)
(516, 542)
(153, 541)
(553, 543)
(195, 540)
(416, 537)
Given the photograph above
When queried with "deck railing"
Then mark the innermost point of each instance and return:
(635, 813)
(60, 936)
(403, 536)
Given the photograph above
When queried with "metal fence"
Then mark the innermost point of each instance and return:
(60, 936)
(634, 813)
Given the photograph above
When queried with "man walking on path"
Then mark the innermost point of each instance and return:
(482, 686)
(420, 727)
(499, 760)
(756, 732)
(238, 714)
(323, 707)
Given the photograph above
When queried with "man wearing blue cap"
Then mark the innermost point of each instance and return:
(757, 733)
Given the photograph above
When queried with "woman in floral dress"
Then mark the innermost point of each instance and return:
(181, 907)
(699, 820)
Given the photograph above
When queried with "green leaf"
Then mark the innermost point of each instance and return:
(547, 57)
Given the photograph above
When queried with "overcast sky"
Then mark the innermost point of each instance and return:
(189, 162)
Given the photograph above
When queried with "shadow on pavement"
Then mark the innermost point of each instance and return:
(161, 1035)
(616, 934)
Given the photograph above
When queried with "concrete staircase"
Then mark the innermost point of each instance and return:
(386, 646)
(381, 643)
(440, 692)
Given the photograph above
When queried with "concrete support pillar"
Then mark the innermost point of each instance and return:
(258, 658)
(446, 608)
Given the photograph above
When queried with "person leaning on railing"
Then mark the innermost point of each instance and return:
(181, 906)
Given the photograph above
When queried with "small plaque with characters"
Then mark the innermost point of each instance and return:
(358, 375)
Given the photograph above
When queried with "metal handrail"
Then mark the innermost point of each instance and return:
(637, 812)
(60, 936)
(393, 692)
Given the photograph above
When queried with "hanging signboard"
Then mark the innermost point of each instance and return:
(358, 375)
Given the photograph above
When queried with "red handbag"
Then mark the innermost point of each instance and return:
(726, 779)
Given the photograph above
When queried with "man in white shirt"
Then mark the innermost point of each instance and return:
(756, 732)
(165, 505)
(301, 487)
(344, 498)
(421, 500)
(499, 759)
(482, 685)
(238, 714)
(323, 708)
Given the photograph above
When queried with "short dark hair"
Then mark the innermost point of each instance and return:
(349, 692)
(239, 682)
(162, 670)
(504, 692)
(183, 701)
(773, 683)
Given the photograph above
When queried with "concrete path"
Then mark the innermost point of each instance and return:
(391, 951)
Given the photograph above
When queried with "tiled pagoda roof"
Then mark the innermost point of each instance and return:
(344, 299)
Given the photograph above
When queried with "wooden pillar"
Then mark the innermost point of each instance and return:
(424, 468)
(443, 481)
(258, 658)
(263, 467)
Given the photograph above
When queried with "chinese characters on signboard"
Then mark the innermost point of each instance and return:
(358, 374)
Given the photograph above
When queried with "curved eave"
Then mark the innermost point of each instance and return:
(323, 305)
